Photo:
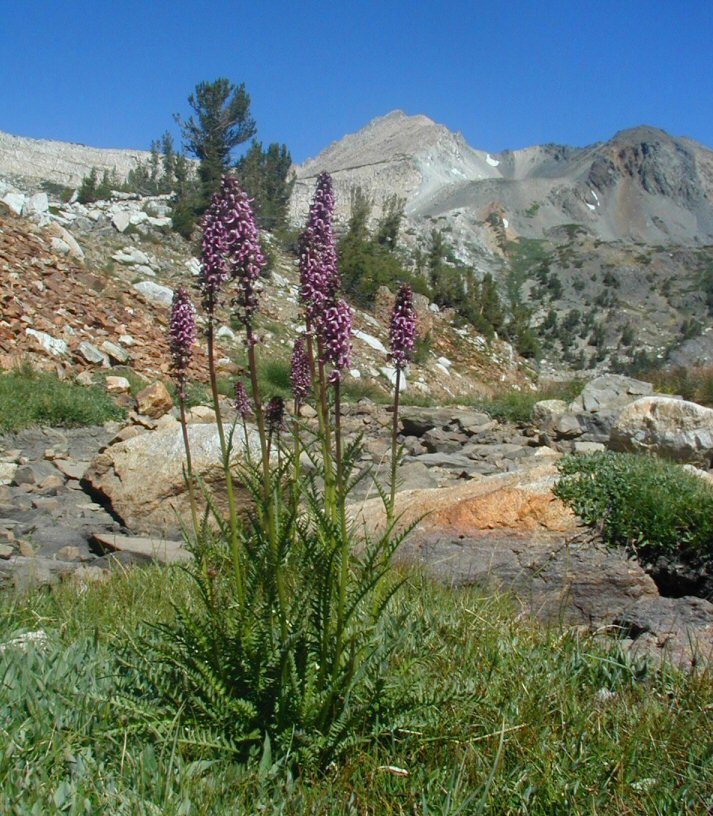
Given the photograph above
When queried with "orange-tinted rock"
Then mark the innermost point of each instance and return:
(154, 400)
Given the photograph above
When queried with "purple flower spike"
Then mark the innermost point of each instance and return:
(300, 375)
(335, 334)
(402, 333)
(319, 276)
(214, 271)
(182, 336)
(275, 415)
(242, 402)
(243, 253)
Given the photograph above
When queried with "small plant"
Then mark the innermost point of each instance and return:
(648, 505)
(284, 645)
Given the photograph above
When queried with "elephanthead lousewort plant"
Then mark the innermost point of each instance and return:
(286, 640)
(402, 337)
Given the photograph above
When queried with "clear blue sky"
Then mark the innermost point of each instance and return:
(506, 74)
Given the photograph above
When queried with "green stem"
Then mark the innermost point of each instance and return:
(394, 447)
(234, 546)
(344, 539)
(189, 461)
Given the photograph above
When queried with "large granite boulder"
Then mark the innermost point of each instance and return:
(142, 478)
(593, 414)
(673, 428)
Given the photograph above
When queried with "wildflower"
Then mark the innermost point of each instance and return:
(319, 276)
(242, 402)
(275, 415)
(182, 336)
(214, 271)
(243, 254)
(402, 332)
(335, 336)
(300, 375)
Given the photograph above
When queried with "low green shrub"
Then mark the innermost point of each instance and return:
(650, 506)
(29, 397)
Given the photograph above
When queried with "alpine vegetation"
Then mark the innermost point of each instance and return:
(287, 637)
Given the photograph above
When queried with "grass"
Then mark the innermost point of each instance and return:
(525, 729)
(29, 398)
(507, 405)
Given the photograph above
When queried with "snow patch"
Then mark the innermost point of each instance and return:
(591, 206)
(506, 223)
(491, 161)
(596, 197)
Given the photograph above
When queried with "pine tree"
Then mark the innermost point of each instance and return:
(220, 123)
(264, 176)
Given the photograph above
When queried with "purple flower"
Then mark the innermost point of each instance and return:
(319, 276)
(402, 332)
(242, 402)
(300, 374)
(335, 335)
(182, 336)
(275, 415)
(214, 271)
(243, 253)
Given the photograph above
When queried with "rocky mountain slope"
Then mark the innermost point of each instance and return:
(88, 289)
(642, 185)
(35, 161)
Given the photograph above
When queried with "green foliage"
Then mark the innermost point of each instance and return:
(29, 397)
(263, 174)
(369, 262)
(291, 654)
(509, 681)
(94, 189)
(220, 122)
(648, 505)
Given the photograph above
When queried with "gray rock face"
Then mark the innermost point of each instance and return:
(578, 581)
(62, 162)
(672, 428)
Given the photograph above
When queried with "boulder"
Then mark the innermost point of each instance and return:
(143, 478)
(155, 293)
(15, 202)
(63, 236)
(91, 354)
(546, 413)
(610, 392)
(154, 401)
(54, 345)
(673, 428)
(121, 220)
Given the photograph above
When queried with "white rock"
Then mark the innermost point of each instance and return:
(155, 293)
(121, 220)
(225, 331)
(444, 361)
(59, 246)
(390, 374)
(15, 201)
(160, 222)
(53, 345)
(127, 340)
(194, 266)
(142, 269)
(372, 342)
(355, 373)
(131, 255)
(36, 204)
(137, 218)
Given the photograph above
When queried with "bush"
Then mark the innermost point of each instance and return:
(647, 505)
(29, 397)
